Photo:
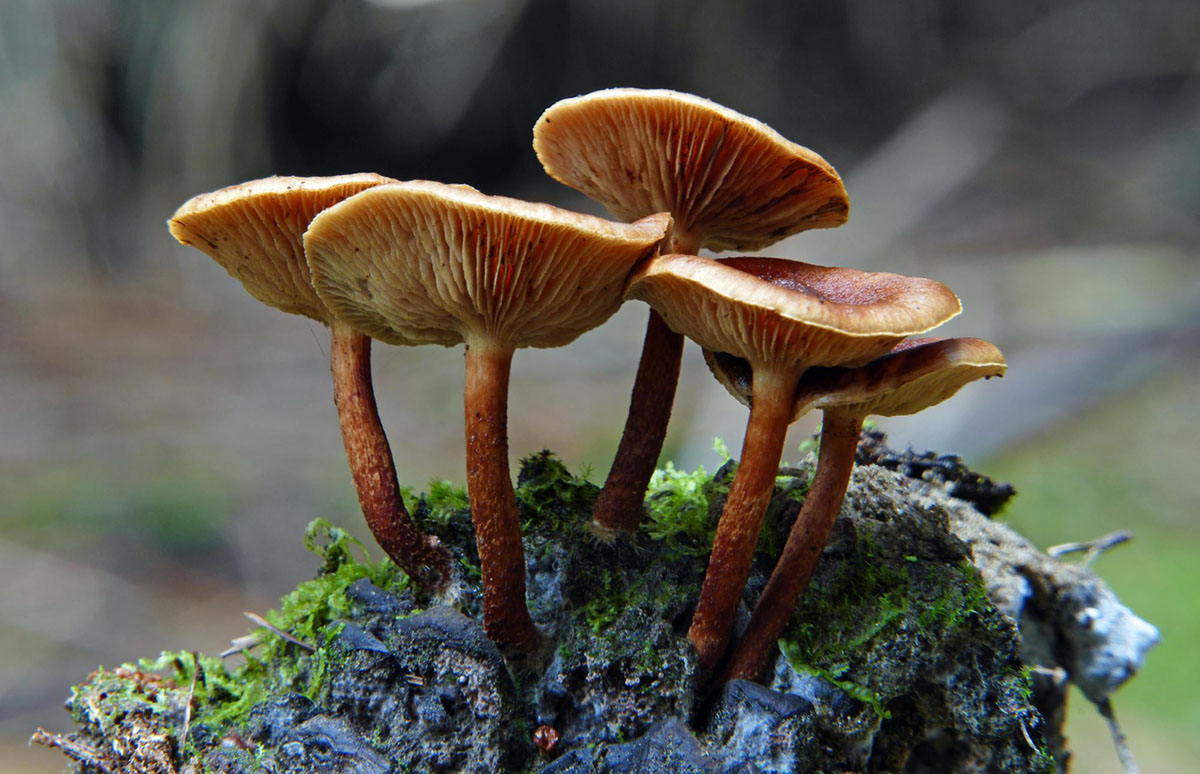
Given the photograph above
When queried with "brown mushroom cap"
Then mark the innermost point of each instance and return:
(428, 263)
(909, 379)
(916, 374)
(781, 312)
(731, 182)
(255, 229)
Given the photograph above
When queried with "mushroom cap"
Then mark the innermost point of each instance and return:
(789, 314)
(916, 374)
(428, 263)
(731, 182)
(255, 231)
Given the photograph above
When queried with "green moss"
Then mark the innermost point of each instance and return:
(313, 605)
(220, 698)
(835, 675)
(622, 605)
(110, 695)
(677, 504)
(844, 622)
(444, 500)
(952, 611)
(680, 507)
(550, 497)
(310, 613)
(612, 596)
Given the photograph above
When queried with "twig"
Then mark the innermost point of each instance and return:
(240, 644)
(187, 712)
(1124, 754)
(264, 623)
(1028, 738)
(1092, 548)
(78, 751)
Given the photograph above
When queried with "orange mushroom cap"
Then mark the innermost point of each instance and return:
(255, 231)
(789, 313)
(428, 263)
(730, 182)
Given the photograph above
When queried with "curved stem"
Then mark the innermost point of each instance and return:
(493, 501)
(794, 570)
(371, 464)
(619, 505)
(737, 531)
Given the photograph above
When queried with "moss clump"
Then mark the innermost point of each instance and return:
(222, 698)
(677, 510)
(550, 498)
(683, 508)
(307, 610)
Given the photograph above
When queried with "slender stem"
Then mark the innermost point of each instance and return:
(493, 502)
(371, 464)
(737, 531)
(839, 440)
(619, 505)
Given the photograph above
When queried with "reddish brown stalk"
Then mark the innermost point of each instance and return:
(794, 570)
(371, 464)
(619, 505)
(737, 531)
(493, 503)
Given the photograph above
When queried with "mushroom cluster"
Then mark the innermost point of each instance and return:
(421, 262)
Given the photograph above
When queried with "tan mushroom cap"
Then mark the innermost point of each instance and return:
(428, 263)
(255, 229)
(916, 374)
(731, 182)
(773, 311)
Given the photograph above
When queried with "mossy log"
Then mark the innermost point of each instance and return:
(923, 644)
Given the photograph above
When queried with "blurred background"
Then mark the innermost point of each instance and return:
(164, 438)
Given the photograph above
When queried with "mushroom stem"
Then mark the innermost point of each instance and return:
(493, 501)
(737, 531)
(794, 570)
(371, 464)
(619, 505)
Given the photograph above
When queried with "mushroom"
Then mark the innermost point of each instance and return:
(255, 230)
(783, 317)
(729, 181)
(915, 375)
(427, 263)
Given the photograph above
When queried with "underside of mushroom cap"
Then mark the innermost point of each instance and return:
(731, 182)
(912, 377)
(773, 311)
(255, 229)
(430, 263)
(916, 374)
